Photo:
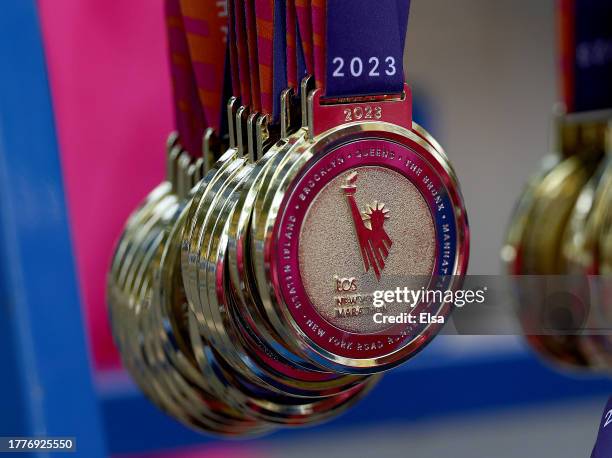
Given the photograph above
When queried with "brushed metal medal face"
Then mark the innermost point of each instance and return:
(366, 230)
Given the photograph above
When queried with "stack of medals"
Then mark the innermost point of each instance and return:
(560, 231)
(241, 291)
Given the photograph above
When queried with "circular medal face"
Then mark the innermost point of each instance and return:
(345, 221)
(364, 219)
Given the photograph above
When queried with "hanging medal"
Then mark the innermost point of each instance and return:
(228, 365)
(243, 292)
(556, 226)
(155, 364)
(327, 237)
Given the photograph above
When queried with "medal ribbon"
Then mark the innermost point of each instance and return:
(197, 39)
(272, 54)
(189, 116)
(258, 53)
(291, 53)
(240, 43)
(272, 45)
(303, 11)
(304, 51)
(264, 10)
(603, 446)
(586, 54)
(251, 33)
(206, 30)
(233, 50)
(403, 14)
(359, 46)
(280, 77)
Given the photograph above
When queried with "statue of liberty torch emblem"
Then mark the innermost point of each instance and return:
(374, 241)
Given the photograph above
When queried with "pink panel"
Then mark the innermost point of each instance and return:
(112, 98)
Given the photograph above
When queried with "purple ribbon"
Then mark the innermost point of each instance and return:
(593, 55)
(280, 56)
(365, 46)
(603, 446)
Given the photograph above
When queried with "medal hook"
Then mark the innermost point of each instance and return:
(306, 86)
(191, 174)
(232, 108)
(171, 164)
(199, 171)
(251, 136)
(171, 141)
(266, 135)
(211, 148)
(290, 119)
(182, 177)
(242, 130)
(584, 134)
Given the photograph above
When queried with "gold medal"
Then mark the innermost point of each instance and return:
(302, 150)
(243, 291)
(549, 236)
(170, 307)
(209, 331)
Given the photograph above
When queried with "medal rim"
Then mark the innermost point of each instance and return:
(438, 162)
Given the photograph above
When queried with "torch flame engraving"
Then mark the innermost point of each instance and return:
(374, 241)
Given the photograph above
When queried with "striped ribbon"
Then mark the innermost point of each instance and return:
(206, 31)
(292, 75)
(318, 10)
(264, 10)
(304, 21)
(251, 33)
(240, 43)
(189, 117)
(233, 50)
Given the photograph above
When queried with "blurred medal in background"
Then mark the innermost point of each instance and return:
(557, 235)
